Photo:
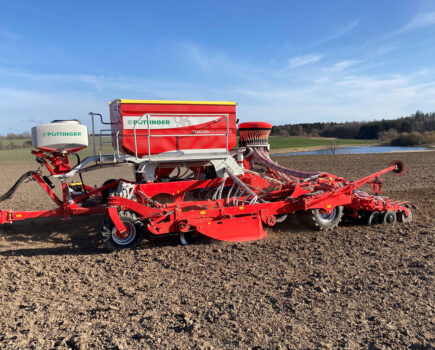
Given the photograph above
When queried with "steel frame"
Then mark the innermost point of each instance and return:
(242, 200)
(170, 218)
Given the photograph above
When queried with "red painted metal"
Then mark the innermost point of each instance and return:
(173, 207)
(113, 214)
(237, 229)
(211, 133)
(47, 189)
(220, 219)
(255, 125)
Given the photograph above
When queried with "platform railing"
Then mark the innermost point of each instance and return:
(101, 135)
(149, 135)
(109, 133)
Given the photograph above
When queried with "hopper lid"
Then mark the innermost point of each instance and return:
(255, 125)
(67, 121)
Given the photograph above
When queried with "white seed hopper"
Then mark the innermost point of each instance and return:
(60, 135)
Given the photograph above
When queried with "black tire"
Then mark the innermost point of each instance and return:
(281, 218)
(189, 238)
(406, 218)
(114, 241)
(374, 218)
(390, 218)
(322, 221)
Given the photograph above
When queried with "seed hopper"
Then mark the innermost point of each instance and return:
(190, 177)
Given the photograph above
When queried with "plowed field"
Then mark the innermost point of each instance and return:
(357, 287)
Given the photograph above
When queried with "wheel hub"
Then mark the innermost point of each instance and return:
(126, 237)
(328, 217)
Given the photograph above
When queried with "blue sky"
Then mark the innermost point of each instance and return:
(282, 61)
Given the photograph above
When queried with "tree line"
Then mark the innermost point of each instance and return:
(418, 128)
(13, 141)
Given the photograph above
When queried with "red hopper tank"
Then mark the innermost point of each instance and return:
(173, 126)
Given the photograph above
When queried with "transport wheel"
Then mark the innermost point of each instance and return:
(406, 218)
(281, 218)
(374, 218)
(323, 221)
(115, 240)
(390, 217)
(188, 238)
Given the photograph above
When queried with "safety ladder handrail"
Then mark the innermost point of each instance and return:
(92, 114)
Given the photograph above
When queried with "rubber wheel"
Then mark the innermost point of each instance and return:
(319, 219)
(188, 238)
(113, 240)
(281, 218)
(374, 218)
(404, 218)
(390, 217)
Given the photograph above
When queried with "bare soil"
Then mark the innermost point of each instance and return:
(357, 287)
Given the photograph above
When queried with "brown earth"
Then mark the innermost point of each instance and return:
(357, 287)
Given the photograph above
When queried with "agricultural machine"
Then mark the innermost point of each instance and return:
(190, 179)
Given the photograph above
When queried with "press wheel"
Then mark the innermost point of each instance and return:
(321, 220)
(115, 240)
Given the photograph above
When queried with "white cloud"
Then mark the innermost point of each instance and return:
(321, 98)
(278, 93)
(419, 21)
(384, 49)
(28, 106)
(215, 61)
(343, 65)
(90, 82)
(300, 61)
(346, 29)
(45, 97)
(193, 52)
(342, 31)
(357, 97)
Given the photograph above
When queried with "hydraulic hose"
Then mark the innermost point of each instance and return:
(262, 156)
(12, 190)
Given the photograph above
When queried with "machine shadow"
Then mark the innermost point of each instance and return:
(51, 236)
(77, 236)
(81, 236)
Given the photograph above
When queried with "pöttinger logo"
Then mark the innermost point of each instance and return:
(62, 133)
